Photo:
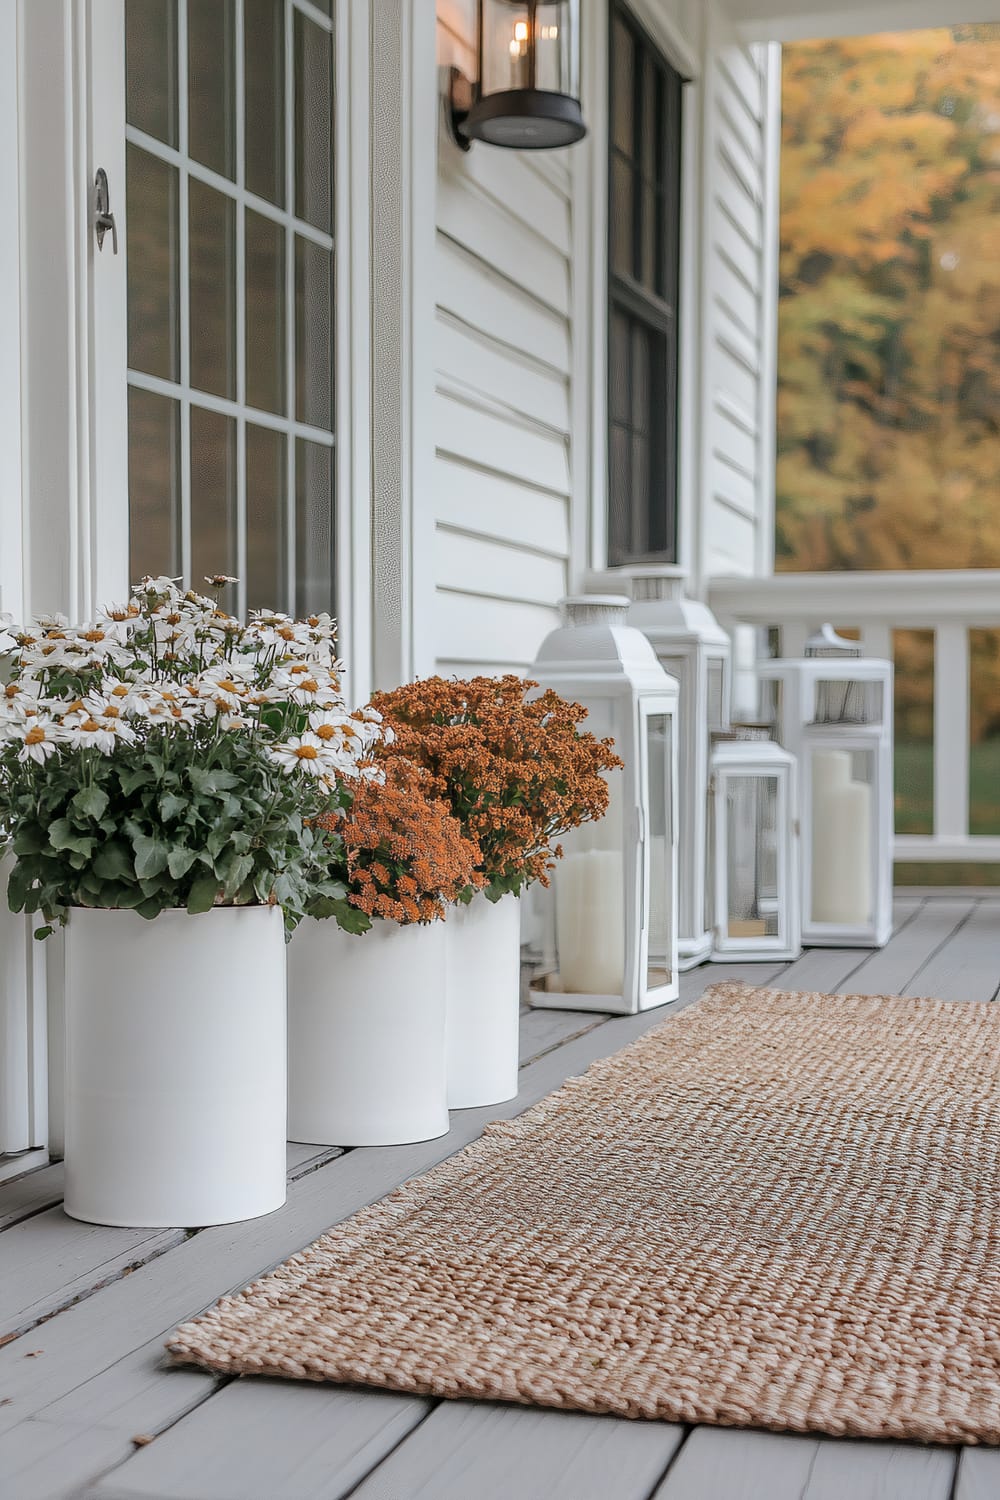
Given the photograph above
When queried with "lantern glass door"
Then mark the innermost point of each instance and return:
(658, 729)
(842, 699)
(752, 812)
(842, 788)
(590, 908)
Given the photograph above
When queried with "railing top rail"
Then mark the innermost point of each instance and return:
(915, 599)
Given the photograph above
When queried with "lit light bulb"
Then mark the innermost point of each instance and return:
(521, 31)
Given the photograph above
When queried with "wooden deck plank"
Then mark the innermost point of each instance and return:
(269, 1440)
(880, 1471)
(30, 1194)
(889, 970)
(978, 1474)
(85, 1345)
(45, 1461)
(49, 1260)
(491, 1452)
(967, 966)
(743, 1465)
(739, 1465)
(542, 1030)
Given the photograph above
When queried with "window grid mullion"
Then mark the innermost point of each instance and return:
(292, 394)
(184, 284)
(239, 101)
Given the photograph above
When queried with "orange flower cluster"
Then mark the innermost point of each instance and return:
(407, 859)
(515, 770)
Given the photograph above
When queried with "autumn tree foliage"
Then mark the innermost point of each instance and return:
(889, 319)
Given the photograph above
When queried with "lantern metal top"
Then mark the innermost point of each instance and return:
(597, 643)
(826, 642)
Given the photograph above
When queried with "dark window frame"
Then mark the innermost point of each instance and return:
(643, 298)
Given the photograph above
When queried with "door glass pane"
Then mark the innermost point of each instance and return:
(151, 67)
(264, 65)
(212, 235)
(154, 453)
(265, 314)
(211, 84)
(267, 563)
(314, 528)
(660, 875)
(313, 123)
(313, 334)
(622, 89)
(213, 495)
(153, 286)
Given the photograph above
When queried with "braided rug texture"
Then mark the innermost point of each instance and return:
(776, 1210)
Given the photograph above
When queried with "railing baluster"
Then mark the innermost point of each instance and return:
(951, 731)
(877, 641)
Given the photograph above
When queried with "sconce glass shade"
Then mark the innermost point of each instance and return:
(528, 96)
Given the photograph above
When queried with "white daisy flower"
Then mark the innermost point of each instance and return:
(39, 740)
(305, 752)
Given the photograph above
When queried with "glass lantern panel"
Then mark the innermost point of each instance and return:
(529, 46)
(770, 706)
(717, 715)
(842, 700)
(842, 785)
(752, 897)
(659, 732)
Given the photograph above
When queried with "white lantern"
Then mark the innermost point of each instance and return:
(833, 709)
(692, 646)
(755, 855)
(608, 922)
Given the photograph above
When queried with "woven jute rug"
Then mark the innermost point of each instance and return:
(776, 1210)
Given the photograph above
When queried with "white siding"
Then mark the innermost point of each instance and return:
(503, 362)
(739, 163)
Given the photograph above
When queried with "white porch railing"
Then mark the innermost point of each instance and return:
(949, 604)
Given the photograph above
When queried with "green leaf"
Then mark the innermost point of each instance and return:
(150, 856)
(113, 861)
(179, 861)
(63, 836)
(203, 893)
(41, 933)
(172, 806)
(91, 802)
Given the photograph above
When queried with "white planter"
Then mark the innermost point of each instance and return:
(483, 942)
(366, 1050)
(175, 1066)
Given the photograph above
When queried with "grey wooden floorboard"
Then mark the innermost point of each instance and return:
(47, 1461)
(978, 1474)
(50, 1259)
(268, 1440)
(880, 1471)
(478, 1451)
(30, 1194)
(967, 967)
(742, 1465)
(889, 970)
(720, 1463)
(541, 1030)
(824, 970)
(98, 1352)
(695, 982)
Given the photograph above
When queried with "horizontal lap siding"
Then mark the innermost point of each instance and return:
(502, 413)
(735, 182)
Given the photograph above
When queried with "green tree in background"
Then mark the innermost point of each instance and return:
(889, 333)
(889, 320)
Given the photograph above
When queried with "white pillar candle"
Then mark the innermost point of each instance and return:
(841, 843)
(590, 922)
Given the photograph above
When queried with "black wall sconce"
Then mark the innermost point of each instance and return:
(527, 96)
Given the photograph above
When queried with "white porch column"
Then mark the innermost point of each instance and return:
(404, 132)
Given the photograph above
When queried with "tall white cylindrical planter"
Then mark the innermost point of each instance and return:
(483, 943)
(366, 1034)
(175, 1066)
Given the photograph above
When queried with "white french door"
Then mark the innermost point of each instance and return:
(231, 342)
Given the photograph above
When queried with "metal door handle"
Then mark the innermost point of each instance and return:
(104, 219)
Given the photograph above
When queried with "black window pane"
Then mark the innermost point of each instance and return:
(643, 255)
(264, 66)
(211, 84)
(151, 67)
